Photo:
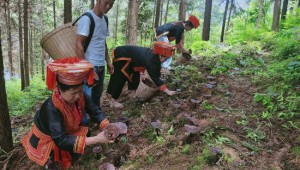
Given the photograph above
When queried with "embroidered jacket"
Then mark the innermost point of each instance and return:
(57, 128)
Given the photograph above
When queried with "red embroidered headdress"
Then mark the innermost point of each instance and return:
(194, 20)
(70, 71)
(163, 49)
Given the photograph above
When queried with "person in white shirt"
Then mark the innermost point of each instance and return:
(96, 51)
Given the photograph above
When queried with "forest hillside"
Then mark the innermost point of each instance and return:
(237, 101)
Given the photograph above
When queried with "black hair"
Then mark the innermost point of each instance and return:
(64, 87)
(189, 23)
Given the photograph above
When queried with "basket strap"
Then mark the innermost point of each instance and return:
(92, 27)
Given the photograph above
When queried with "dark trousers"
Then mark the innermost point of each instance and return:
(118, 79)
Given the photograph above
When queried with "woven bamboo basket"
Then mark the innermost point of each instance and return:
(61, 42)
(146, 89)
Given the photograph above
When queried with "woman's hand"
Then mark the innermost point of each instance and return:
(101, 138)
(169, 92)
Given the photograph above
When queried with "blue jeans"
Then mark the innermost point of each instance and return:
(95, 92)
(166, 64)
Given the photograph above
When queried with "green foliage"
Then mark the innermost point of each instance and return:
(296, 150)
(222, 140)
(292, 19)
(206, 105)
(223, 63)
(242, 32)
(202, 159)
(186, 149)
(255, 135)
(287, 48)
(20, 102)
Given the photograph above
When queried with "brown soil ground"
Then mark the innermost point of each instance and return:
(216, 110)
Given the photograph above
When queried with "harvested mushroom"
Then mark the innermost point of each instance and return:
(122, 127)
(192, 119)
(111, 131)
(211, 77)
(107, 166)
(195, 101)
(157, 126)
(191, 129)
(210, 86)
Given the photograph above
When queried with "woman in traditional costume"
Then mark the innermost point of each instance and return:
(57, 134)
(130, 62)
(174, 31)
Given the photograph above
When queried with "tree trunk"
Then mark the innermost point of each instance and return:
(299, 3)
(132, 22)
(224, 21)
(9, 40)
(6, 142)
(182, 10)
(229, 16)
(206, 22)
(67, 11)
(284, 9)
(54, 14)
(167, 10)
(30, 43)
(153, 16)
(260, 13)
(161, 12)
(22, 74)
(26, 44)
(157, 13)
(182, 15)
(43, 53)
(92, 4)
(116, 26)
(276, 15)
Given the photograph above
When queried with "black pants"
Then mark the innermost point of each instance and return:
(118, 79)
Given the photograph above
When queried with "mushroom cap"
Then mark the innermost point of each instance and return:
(156, 125)
(191, 129)
(107, 166)
(111, 131)
(195, 101)
(122, 127)
(97, 149)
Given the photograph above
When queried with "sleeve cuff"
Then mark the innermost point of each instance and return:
(162, 87)
(104, 123)
(79, 144)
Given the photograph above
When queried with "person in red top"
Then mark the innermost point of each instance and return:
(174, 31)
(58, 132)
(130, 62)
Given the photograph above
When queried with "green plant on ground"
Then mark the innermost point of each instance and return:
(296, 151)
(255, 134)
(186, 149)
(201, 159)
(206, 105)
(222, 140)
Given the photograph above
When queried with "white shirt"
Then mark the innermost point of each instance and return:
(95, 52)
